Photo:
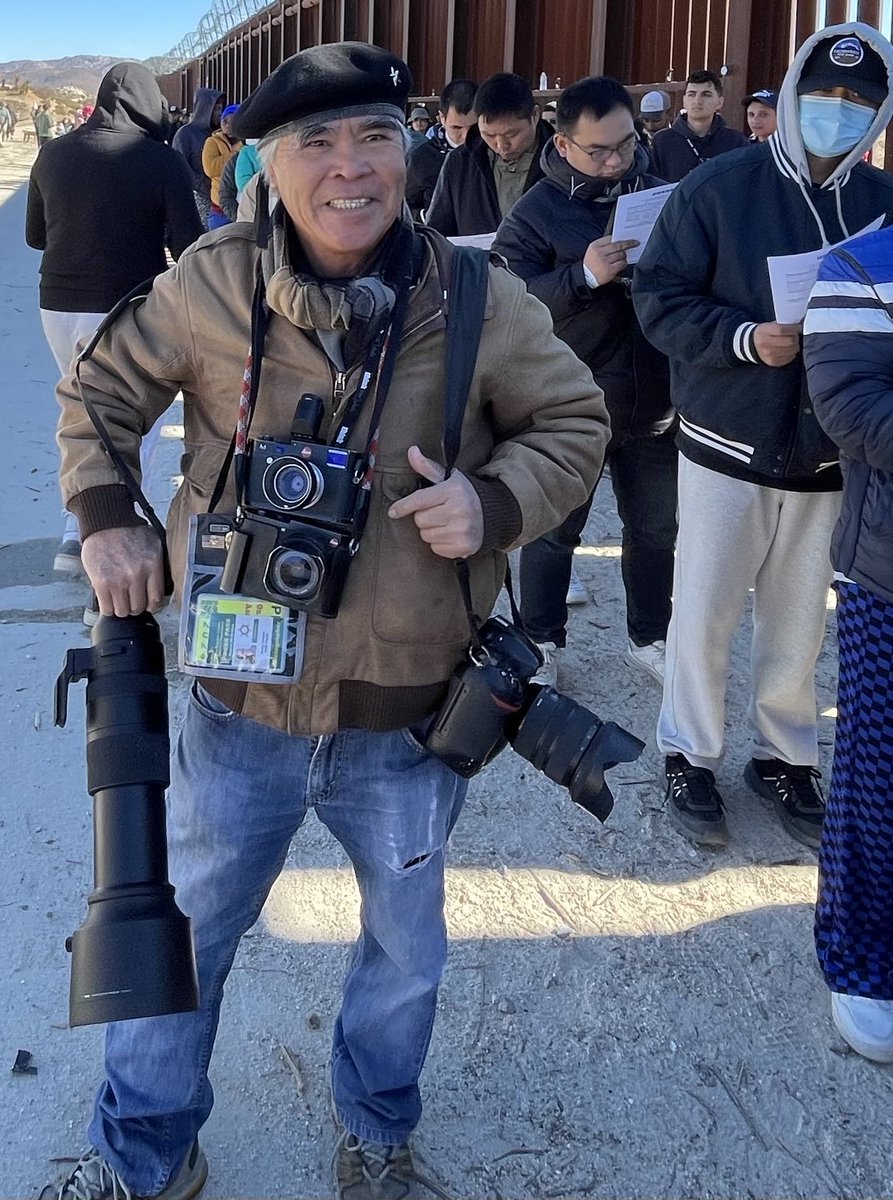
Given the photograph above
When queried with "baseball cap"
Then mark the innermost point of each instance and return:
(845, 62)
(654, 102)
(767, 96)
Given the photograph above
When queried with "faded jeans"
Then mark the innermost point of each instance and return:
(239, 791)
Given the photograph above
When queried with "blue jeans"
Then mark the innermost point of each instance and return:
(643, 476)
(239, 791)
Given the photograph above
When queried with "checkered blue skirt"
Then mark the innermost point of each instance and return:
(854, 914)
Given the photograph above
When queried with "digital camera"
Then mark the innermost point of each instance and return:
(303, 513)
(492, 703)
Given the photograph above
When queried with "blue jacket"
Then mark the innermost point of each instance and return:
(848, 348)
(190, 138)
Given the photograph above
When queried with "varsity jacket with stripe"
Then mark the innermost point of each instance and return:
(702, 287)
(848, 348)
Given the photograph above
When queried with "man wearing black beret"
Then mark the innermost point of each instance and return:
(346, 290)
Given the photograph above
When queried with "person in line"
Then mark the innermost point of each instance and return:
(418, 125)
(759, 483)
(498, 163)
(44, 125)
(848, 350)
(654, 114)
(556, 238)
(216, 153)
(698, 134)
(345, 738)
(762, 118)
(189, 140)
(455, 117)
(103, 203)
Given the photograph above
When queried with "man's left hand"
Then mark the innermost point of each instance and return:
(448, 515)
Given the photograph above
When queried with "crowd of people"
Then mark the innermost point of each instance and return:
(747, 454)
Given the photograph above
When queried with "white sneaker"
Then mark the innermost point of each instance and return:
(547, 675)
(866, 1024)
(651, 658)
(576, 590)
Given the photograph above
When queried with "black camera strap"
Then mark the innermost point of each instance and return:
(469, 277)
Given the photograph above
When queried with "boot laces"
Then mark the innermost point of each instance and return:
(93, 1179)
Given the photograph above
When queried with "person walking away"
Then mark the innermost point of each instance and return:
(43, 125)
(455, 117)
(189, 140)
(556, 238)
(103, 203)
(762, 118)
(216, 153)
(498, 163)
(697, 135)
(339, 266)
(848, 350)
(759, 484)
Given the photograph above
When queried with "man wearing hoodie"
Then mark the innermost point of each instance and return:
(498, 163)
(102, 204)
(696, 135)
(455, 117)
(758, 479)
(557, 239)
(190, 140)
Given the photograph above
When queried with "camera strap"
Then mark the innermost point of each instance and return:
(469, 277)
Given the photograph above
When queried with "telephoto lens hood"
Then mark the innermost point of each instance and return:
(133, 956)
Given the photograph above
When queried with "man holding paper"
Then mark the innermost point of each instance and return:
(758, 479)
(558, 238)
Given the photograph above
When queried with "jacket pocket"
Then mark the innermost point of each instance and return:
(416, 594)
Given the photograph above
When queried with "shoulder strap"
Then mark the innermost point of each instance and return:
(469, 276)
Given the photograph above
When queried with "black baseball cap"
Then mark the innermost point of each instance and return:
(767, 96)
(845, 62)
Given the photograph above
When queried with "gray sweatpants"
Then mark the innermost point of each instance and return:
(734, 536)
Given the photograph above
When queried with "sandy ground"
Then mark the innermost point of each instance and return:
(622, 1015)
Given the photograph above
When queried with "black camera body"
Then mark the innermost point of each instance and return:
(300, 523)
(491, 702)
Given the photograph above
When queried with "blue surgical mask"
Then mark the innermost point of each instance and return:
(831, 126)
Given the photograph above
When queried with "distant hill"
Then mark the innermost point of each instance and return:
(81, 71)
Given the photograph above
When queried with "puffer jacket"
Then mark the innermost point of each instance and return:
(216, 153)
(532, 444)
(848, 349)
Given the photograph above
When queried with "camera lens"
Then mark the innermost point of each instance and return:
(573, 747)
(295, 573)
(290, 483)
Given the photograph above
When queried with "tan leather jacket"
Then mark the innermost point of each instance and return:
(533, 440)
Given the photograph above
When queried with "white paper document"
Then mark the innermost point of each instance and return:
(636, 215)
(793, 276)
(483, 241)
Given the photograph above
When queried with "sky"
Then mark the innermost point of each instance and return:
(119, 28)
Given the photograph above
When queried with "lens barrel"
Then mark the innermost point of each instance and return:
(133, 956)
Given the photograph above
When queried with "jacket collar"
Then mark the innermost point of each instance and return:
(583, 187)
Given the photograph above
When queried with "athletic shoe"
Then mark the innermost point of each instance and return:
(695, 806)
(68, 558)
(576, 590)
(650, 657)
(866, 1024)
(94, 1179)
(547, 675)
(371, 1171)
(91, 615)
(794, 794)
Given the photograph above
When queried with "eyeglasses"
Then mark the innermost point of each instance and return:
(601, 154)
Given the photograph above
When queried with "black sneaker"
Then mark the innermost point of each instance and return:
(695, 806)
(794, 793)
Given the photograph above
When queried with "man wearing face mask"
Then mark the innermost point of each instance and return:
(758, 479)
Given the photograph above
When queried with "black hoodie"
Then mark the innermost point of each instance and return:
(544, 239)
(678, 150)
(465, 201)
(189, 140)
(104, 200)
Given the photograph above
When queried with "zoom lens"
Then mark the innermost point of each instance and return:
(295, 573)
(573, 747)
(290, 483)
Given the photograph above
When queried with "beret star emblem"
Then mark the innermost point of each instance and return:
(395, 76)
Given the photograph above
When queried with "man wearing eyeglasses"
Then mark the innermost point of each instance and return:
(557, 238)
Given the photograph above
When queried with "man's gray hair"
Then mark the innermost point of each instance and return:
(301, 132)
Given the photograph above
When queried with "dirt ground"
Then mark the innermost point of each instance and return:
(622, 1015)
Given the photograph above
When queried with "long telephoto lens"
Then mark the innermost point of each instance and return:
(133, 956)
(573, 747)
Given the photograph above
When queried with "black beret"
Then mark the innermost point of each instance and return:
(340, 75)
(845, 62)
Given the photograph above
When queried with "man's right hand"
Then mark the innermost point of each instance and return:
(125, 569)
(777, 345)
(606, 259)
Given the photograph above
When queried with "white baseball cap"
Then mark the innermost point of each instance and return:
(654, 102)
